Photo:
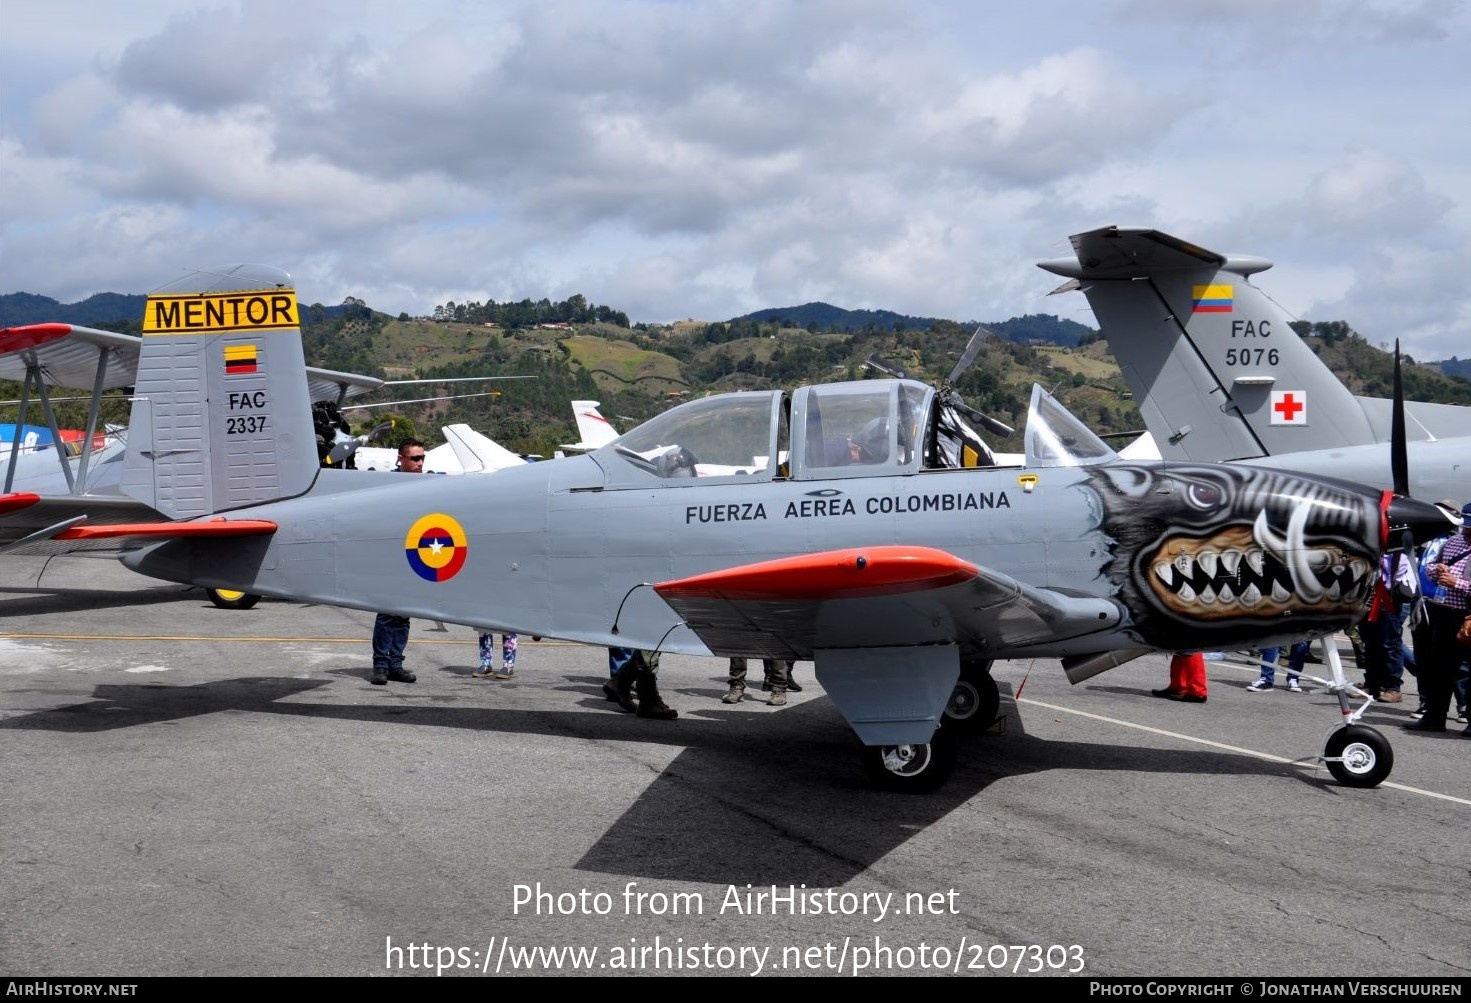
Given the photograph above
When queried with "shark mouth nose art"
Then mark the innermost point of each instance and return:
(1240, 571)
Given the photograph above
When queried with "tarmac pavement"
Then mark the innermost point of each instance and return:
(195, 791)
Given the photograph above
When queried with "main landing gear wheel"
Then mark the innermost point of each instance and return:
(232, 598)
(918, 768)
(975, 701)
(1358, 756)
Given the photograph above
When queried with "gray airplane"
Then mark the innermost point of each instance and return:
(826, 524)
(1219, 374)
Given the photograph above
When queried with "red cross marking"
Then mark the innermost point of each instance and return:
(1288, 407)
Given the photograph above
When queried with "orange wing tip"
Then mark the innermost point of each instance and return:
(16, 502)
(172, 530)
(835, 574)
(16, 339)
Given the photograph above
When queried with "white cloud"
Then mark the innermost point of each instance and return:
(712, 157)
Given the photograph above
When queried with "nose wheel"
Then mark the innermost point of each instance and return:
(1358, 756)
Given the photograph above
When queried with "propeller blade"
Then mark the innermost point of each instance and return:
(885, 368)
(972, 349)
(1399, 459)
(990, 424)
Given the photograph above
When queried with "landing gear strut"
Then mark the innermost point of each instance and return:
(1356, 755)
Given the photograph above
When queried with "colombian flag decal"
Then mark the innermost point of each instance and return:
(1212, 299)
(436, 546)
(241, 359)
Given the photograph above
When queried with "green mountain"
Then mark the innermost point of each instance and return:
(97, 310)
(826, 317)
(574, 350)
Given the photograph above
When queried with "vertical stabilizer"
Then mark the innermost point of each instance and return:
(1216, 369)
(221, 414)
(593, 429)
(476, 452)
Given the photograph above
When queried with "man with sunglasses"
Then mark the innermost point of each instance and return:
(391, 633)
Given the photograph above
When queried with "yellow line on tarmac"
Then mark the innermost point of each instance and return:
(1311, 764)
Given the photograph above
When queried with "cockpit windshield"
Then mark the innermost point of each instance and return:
(870, 428)
(725, 436)
(1057, 439)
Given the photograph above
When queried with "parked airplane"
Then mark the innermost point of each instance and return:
(464, 451)
(1219, 374)
(899, 579)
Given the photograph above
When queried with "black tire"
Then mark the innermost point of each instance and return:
(232, 598)
(975, 701)
(1358, 756)
(911, 769)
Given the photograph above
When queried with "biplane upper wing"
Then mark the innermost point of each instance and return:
(68, 355)
(886, 596)
(72, 356)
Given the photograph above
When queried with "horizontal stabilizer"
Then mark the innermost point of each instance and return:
(214, 528)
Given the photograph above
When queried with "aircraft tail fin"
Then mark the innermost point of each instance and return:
(478, 453)
(222, 417)
(1216, 369)
(593, 430)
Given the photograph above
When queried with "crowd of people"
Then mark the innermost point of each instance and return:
(1429, 594)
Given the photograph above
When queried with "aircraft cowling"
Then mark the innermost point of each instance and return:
(1216, 555)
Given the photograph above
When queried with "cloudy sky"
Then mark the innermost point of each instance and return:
(707, 158)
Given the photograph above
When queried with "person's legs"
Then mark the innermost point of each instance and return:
(1187, 679)
(1193, 679)
(737, 682)
(650, 703)
(1393, 637)
(487, 654)
(508, 657)
(1438, 657)
(776, 679)
(1268, 676)
(1295, 659)
(390, 638)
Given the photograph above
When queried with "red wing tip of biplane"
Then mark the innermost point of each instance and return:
(17, 501)
(172, 530)
(860, 571)
(16, 339)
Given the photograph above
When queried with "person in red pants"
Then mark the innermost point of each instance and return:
(1187, 679)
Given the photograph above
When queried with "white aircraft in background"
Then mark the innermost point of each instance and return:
(464, 451)
(595, 430)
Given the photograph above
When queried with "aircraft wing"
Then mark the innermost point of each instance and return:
(69, 355)
(330, 385)
(888, 596)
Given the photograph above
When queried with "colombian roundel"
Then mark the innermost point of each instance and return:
(436, 546)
